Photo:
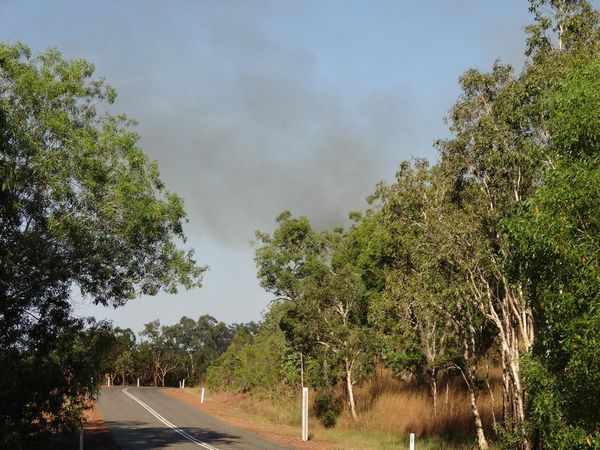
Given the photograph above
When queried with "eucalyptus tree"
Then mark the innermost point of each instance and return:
(81, 207)
(318, 273)
(197, 343)
(425, 307)
(182, 337)
(339, 304)
(285, 260)
(256, 359)
(124, 345)
(158, 342)
(411, 305)
(556, 239)
(498, 155)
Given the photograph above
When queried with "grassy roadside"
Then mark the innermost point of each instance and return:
(278, 419)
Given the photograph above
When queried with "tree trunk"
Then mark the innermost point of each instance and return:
(469, 376)
(433, 387)
(515, 328)
(481, 440)
(192, 367)
(123, 378)
(505, 391)
(447, 392)
(468, 373)
(350, 388)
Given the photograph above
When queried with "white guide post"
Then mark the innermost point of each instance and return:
(183, 384)
(202, 396)
(138, 382)
(412, 441)
(304, 414)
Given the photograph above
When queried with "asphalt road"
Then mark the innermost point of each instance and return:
(148, 418)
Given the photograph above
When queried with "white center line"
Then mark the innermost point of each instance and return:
(169, 424)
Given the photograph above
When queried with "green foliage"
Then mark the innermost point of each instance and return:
(557, 239)
(197, 344)
(81, 206)
(326, 408)
(287, 257)
(573, 105)
(496, 245)
(327, 317)
(254, 362)
(47, 387)
(491, 252)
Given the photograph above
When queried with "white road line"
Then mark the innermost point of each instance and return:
(167, 423)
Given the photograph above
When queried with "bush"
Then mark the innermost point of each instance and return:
(326, 408)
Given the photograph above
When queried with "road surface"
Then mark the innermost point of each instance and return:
(149, 418)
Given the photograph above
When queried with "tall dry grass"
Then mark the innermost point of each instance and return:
(389, 409)
(389, 404)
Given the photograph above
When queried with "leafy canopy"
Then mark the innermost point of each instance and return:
(81, 206)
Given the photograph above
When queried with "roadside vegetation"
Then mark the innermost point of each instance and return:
(81, 208)
(462, 304)
(474, 278)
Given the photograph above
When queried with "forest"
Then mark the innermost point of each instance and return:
(466, 292)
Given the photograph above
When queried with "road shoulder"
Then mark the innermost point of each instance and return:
(279, 434)
(96, 434)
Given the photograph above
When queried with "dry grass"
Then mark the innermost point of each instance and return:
(389, 409)
(390, 405)
(278, 410)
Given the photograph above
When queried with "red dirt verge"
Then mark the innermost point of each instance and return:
(96, 435)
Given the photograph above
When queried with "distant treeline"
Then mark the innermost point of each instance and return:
(165, 355)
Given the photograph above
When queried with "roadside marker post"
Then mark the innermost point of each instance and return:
(138, 382)
(304, 414)
(183, 384)
(202, 396)
(412, 441)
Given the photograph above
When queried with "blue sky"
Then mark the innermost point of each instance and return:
(254, 107)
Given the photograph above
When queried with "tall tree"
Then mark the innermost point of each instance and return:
(285, 260)
(80, 206)
(426, 307)
(498, 154)
(318, 272)
(556, 240)
(162, 349)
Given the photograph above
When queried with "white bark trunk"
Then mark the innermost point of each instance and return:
(350, 389)
(468, 374)
(481, 440)
(515, 328)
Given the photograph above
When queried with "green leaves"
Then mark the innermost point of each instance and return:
(81, 206)
(555, 240)
(574, 109)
